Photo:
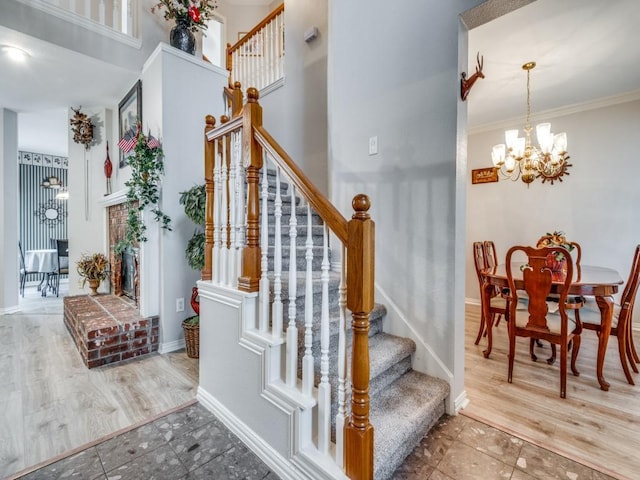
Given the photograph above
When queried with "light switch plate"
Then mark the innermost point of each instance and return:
(373, 145)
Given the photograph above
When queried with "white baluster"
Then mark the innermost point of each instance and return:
(72, 6)
(342, 363)
(216, 214)
(264, 246)
(324, 389)
(240, 205)
(307, 359)
(267, 52)
(101, 12)
(231, 274)
(276, 317)
(129, 29)
(87, 8)
(224, 214)
(263, 58)
(115, 19)
(292, 330)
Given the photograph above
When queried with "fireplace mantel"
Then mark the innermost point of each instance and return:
(114, 198)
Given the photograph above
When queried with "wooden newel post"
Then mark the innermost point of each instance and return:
(252, 159)
(236, 101)
(209, 162)
(360, 299)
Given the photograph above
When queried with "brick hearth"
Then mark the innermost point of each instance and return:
(108, 329)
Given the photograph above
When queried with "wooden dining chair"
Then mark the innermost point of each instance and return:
(498, 304)
(536, 321)
(621, 324)
(490, 261)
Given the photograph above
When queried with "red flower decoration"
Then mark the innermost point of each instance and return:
(194, 13)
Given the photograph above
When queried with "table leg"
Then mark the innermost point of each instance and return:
(605, 304)
(487, 289)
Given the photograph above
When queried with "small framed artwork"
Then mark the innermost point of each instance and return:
(129, 113)
(252, 48)
(484, 175)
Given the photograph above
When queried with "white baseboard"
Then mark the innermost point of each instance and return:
(461, 402)
(8, 310)
(171, 346)
(276, 462)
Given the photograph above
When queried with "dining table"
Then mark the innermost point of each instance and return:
(599, 282)
(44, 261)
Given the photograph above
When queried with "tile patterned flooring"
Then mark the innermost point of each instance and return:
(191, 444)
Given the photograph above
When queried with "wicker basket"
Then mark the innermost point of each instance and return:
(191, 339)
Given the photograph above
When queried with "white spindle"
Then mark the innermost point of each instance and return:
(262, 57)
(115, 19)
(101, 12)
(324, 389)
(240, 205)
(87, 8)
(217, 185)
(231, 274)
(72, 6)
(268, 39)
(129, 23)
(276, 317)
(264, 246)
(307, 359)
(224, 214)
(342, 362)
(292, 330)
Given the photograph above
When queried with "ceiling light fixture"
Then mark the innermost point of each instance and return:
(14, 53)
(519, 159)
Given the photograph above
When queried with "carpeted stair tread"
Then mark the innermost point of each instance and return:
(401, 415)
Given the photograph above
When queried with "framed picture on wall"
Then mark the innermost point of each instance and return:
(129, 113)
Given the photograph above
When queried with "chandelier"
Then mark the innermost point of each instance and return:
(519, 159)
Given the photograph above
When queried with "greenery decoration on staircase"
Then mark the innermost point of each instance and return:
(194, 201)
(147, 168)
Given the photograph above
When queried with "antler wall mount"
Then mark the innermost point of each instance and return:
(467, 83)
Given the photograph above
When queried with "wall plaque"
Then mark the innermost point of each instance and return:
(484, 175)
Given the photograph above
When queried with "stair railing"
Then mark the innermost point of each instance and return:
(258, 57)
(245, 169)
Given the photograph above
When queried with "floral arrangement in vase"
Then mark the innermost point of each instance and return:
(194, 13)
(93, 268)
(555, 239)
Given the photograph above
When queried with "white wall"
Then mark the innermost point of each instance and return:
(241, 18)
(86, 220)
(178, 91)
(596, 205)
(296, 115)
(393, 73)
(9, 266)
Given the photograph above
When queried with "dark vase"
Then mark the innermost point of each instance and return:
(182, 38)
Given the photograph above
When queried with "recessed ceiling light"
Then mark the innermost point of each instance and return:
(14, 53)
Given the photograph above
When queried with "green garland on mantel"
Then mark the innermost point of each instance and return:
(143, 190)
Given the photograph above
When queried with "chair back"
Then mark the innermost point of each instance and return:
(479, 259)
(577, 255)
(538, 284)
(490, 254)
(22, 264)
(628, 297)
(62, 246)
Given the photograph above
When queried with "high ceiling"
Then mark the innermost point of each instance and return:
(584, 49)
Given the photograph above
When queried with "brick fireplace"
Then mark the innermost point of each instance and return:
(123, 269)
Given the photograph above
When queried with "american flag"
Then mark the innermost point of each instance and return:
(152, 142)
(129, 140)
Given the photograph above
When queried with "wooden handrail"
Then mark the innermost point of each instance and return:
(323, 207)
(225, 129)
(234, 97)
(254, 30)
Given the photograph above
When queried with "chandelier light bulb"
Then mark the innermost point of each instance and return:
(498, 154)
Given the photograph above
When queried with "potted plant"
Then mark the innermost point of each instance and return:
(93, 268)
(194, 201)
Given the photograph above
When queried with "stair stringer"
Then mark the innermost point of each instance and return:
(244, 389)
(424, 359)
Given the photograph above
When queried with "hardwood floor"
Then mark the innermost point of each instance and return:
(599, 429)
(51, 403)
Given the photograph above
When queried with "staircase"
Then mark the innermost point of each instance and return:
(405, 403)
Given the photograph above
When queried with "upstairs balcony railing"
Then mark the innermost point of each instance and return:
(258, 57)
(110, 15)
